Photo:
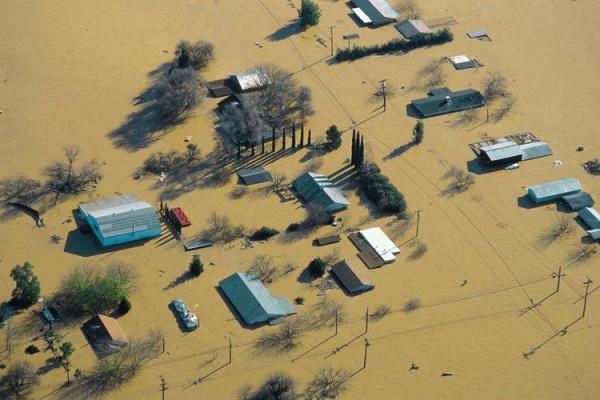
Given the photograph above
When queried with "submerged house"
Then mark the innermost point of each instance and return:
(553, 190)
(253, 301)
(374, 12)
(380, 243)
(353, 278)
(444, 101)
(105, 334)
(411, 28)
(318, 189)
(590, 217)
(510, 149)
(120, 219)
(577, 201)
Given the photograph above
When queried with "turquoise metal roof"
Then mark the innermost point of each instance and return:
(591, 217)
(318, 189)
(553, 190)
(253, 301)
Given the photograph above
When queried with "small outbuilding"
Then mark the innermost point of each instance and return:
(501, 153)
(249, 81)
(253, 301)
(594, 234)
(105, 334)
(577, 201)
(554, 190)
(411, 28)
(252, 176)
(325, 240)
(380, 243)
(590, 217)
(375, 12)
(444, 101)
(318, 189)
(120, 219)
(352, 277)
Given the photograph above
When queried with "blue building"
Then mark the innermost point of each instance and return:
(253, 301)
(120, 219)
(554, 190)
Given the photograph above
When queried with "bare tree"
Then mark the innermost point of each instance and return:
(328, 383)
(20, 189)
(419, 250)
(467, 117)
(285, 338)
(278, 386)
(282, 101)
(244, 120)
(178, 91)
(264, 269)
(408, 9)
(18, 381)
(504, 108)
(197, 55)
(582, 253)
(494, 86)
(324, 313)
(390, 92)
(461, 181)
(221, 230)
(66, 177)
(560, 228)
(380, 312)
(221, 175)
(411, 305)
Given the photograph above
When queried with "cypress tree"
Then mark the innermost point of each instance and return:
(302, 135)
(239, 151)
(263, 145)
(309, 137)
(353, 154)
(294, 135)
(283, 136)
(253, 145)
(361, 152)
(273, 141)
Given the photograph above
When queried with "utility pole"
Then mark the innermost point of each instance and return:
(558, 275)
(229, 350)
(163, 386)
(367, 344)
(382, 82)
(367, 321)
(419, 220)
(587, 289)
(331, 38)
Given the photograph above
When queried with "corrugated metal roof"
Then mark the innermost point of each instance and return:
(535, 150)
(578, 201)
(502, 151)
(352, 277)
(251, 176)
(554, 189)
(381, 243)
(364, 18)
(379, 11)
(252, 300)
(110, 202)
(444, 102)
(250, 80)
(591, 217)
(318, 189)
(412, 27)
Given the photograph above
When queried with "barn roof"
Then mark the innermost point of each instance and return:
(352, 277)
(553, 189)
(251, 176)
(318, 189)
(443, 101)
(379, 11)
(591, 217)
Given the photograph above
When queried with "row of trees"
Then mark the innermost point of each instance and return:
(380, 190)
(357, 157)
(394, 45)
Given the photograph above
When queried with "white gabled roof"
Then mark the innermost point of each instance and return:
(381, 243)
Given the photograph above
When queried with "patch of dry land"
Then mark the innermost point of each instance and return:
(70, 72)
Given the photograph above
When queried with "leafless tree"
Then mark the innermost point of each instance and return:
(282, 101)
(560, 228)
(323, 314)
(278, 386)
(238, 192)
(390, 92)
(221, 175)
(504, 108)
(19, 189)
(408, 9)
(66, 177)
(419, 250)
(461, 181)
(197, 55)
(18, 381)
(582, 253)
(592, 167)
(329, 383)
(468, 117)
(494, 86)
(221, 230)
(244, 121)
(284, 338)
(263, 268)
(178, 91)
(279, 180)
(380, 312)
(161, 161)
(411, 305)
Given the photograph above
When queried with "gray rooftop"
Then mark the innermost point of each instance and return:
(253, 301)
(443, 101)
(318, 189)
(535, 150)
(591, 217)
(379, 11)
(554, 188)
(502, 151)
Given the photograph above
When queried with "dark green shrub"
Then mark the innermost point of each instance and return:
(316, 268)
(32, 349)
(420, 40)
(2, 365)
(418, 132)
(196, 266)
(309, 13)
(333, 138)
(380, 190)
(293, 227)
(124, 305)
(299, 300)
(27, 290)
(264, 233)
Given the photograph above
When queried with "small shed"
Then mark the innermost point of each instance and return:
(500, 153)
(105, 334)
(463, 62)
(181, 217)
(249, 81)
(577, 201)
(590, 217)
(251, 176)
(325, 240)
(411, 28)
(380, 243)
(352, 277)
(253, 301)
(554, 190)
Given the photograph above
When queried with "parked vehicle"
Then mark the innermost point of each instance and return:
(189, 320)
